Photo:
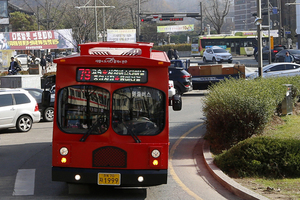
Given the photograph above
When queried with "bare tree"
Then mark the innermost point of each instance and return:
(215, 11)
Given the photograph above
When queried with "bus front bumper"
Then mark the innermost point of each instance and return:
(129, 178)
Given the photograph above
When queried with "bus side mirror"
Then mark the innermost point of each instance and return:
(177, 103)
(46, 96)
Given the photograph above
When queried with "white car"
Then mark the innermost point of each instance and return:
(216, 54)
(23, 58)
(18, 109)
(277, 69)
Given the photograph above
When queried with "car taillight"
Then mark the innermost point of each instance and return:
(275, 51)
(185, 76)
(36, 107)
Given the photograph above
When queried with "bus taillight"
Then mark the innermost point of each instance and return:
(155, 156)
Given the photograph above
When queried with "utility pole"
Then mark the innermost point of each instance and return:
(96, 24)
(138, 21)
(259, 39)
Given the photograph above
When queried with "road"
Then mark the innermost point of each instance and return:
(25, 160)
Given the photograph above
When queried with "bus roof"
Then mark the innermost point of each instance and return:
(128, 51)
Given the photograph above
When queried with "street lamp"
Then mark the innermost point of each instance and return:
(95, 12)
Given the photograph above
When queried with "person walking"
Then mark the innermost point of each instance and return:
(176, 56)
(43, 64)
(12, 66)
(288, 57)
(170, 53)
(49, 60)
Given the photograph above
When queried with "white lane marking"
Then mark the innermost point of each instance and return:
(24, 184)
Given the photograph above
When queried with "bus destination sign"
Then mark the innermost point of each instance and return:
(112, 75)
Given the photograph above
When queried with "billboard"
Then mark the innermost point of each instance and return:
(121, 35)
(175, 28)
(33, 40)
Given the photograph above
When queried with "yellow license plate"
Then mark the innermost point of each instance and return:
(109, 179)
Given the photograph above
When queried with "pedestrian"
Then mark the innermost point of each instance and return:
(43, 64)
(170, 53)
(12, 66)
(176, 56)
(288, 57)
(49, 59)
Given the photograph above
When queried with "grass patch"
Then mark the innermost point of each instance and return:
(287, 127)
(290, 128)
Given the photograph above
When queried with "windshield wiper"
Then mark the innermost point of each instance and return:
(98, 123)
(133, 135)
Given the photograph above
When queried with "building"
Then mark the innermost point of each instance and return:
(243, 14)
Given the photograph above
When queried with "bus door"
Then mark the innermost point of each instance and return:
(111, 122)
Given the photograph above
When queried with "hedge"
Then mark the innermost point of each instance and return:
(237, 109)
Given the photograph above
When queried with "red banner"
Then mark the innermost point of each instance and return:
(27, 40)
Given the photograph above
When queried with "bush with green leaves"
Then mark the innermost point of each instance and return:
(237, 109)
(262, 157)
(179, 47)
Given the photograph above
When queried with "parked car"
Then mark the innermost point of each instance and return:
(23, 58)
(293, 52)
(277, 69)
(181, 78)
(265, 52)
(47, 112)
(216, 54)
(18, 109)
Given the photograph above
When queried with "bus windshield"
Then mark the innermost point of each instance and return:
(138, 111)
(83, 108)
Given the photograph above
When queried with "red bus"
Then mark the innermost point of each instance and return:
(111, 122)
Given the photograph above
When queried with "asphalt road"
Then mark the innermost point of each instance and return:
(25, 160)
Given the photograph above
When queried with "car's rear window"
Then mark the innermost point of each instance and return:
(21, 98)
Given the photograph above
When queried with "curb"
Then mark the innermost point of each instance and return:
(226, 181)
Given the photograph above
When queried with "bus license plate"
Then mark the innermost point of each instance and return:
(109, 179)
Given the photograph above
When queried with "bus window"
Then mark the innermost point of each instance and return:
(140, 111)
(83, 108)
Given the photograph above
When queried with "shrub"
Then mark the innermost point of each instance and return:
(23, 72)
(49, 74)
(236, 109)
(179, 47)
(263, 157)
(4, 73)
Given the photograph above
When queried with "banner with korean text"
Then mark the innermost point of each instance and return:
(175, 28)
(121, 35)
(43, 39)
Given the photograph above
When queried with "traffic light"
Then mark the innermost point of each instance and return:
(146, 19)
(171, 19)
(282, 32)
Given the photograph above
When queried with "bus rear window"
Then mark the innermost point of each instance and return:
(83, 108)
(138, 111)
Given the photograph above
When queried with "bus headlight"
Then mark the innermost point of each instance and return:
(155, 153)
(64, 151)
